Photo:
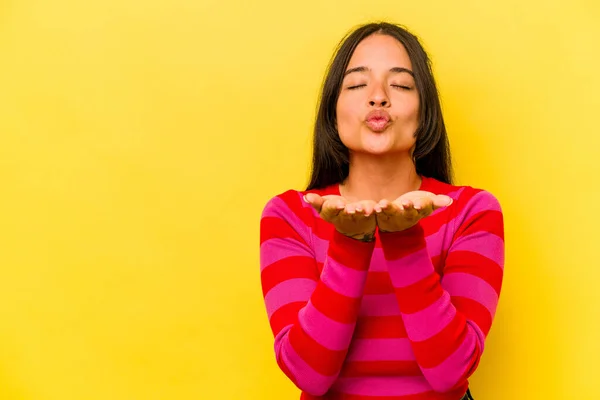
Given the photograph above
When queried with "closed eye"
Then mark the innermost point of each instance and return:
(355, 87)
(402, 87)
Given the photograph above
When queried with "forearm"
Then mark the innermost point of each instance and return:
(312, 338)
(447, 347)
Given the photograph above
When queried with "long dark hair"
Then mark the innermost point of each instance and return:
(432, 150)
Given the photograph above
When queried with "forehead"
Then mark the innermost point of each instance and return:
(380, 50)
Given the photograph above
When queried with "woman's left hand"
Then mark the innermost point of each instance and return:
(408, 209)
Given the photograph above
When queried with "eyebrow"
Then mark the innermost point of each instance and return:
(396, 70)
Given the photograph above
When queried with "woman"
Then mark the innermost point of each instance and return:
(381, 279)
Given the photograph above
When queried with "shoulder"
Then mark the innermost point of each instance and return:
(291, 202)
(465, 196)
(288, 212)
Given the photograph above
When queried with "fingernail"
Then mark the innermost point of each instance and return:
(304, 198)
(377, 209)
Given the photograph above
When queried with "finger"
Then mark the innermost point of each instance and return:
(424, 206)
(408, 208)
(365, 207)
(385, 205)
(389, 208)
(332, 208)
(382, 205)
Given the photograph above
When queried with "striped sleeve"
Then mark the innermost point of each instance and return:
(312, 315)
(448, 319)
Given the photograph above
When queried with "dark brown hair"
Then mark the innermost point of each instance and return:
(432, 150)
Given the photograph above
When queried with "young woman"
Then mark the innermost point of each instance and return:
(382, 278)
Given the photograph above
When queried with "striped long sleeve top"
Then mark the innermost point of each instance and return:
(402, 318)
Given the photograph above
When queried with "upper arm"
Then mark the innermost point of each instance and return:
(474, 266)
(289, 272)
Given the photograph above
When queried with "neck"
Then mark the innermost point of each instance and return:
(379, 177)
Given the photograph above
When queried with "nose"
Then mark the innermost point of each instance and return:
(379, 97)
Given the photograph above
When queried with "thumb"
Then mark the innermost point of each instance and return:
(314, 200)
(442, 200)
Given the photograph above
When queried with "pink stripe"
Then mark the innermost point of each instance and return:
(279, 209)
(379, 305)
(439, 241)
(426, 323)
(446, 375)
(276, 249)
(383, 386)
(442, 239)
(325, 331)
(461, 284)
(482, 201)
(343, 280)
(483, 243)
(381, 350)
(320, 247)
(411, 268)
(378, 262)
(297, 289)
(308, 379)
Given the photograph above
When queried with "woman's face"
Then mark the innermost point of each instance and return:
(378, 105)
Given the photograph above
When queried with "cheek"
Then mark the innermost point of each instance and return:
(410, 111)
(345, 114)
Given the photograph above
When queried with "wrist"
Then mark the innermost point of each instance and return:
(361, 237)
(404, 232)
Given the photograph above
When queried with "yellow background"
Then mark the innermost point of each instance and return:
(139, 141)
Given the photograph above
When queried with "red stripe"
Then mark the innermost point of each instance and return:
(420, 295)
(477, 265)
(437, 221)
(288, 268)
(275, 227)
(378, 283)
(321, 359)
(474, 311)
(322, 229)
(285, 315)
(380, 327)
(485, 221)
(350, 252)
(438, 263)
(431, 352)
(397, 245)
(355, 369)
(336, 306)
(464, 199)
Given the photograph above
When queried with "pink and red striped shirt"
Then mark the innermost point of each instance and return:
(403, 318)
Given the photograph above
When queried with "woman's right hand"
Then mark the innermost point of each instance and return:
(355, 220)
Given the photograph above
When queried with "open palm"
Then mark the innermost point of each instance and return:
(408, 209)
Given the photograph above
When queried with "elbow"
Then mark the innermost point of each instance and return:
(447, 379)
(314, 386)
(316, 390)
(441, 385)
(306, 379)
(454, 371)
